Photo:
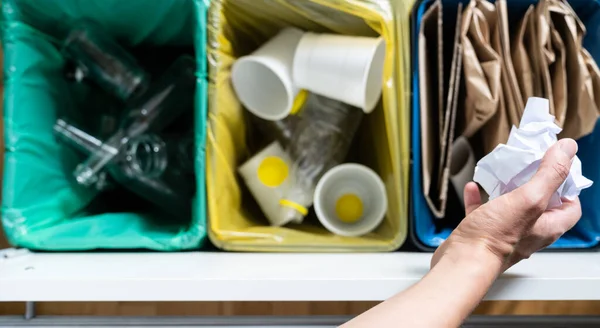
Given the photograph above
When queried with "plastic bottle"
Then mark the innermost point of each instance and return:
(280, 130)
(320, 141)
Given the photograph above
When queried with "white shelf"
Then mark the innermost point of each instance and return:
(196, 276)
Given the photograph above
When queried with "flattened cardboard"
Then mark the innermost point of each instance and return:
(436, 181)
(449, 122)
(455, 79)
(440, 67)
(428, 99)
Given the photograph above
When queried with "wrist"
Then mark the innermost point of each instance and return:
(475, 256)
(460, 278)
(472, 267)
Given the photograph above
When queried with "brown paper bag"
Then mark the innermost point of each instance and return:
(582, 112)
(594, 70)
(543, 30)
(593, 82)
(481, 67)
(589, 97)
(513, 100)
(486, 103)
(557, 69)
(521, 55)
(551, 56)
(497, 129)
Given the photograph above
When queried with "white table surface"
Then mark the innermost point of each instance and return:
(197, 276)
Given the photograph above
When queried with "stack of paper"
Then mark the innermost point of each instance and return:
(509, 166)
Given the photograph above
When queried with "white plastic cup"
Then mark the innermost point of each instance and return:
(263, 79)
(345, 68)
(462, 166)
(350, 200)
(268, 177)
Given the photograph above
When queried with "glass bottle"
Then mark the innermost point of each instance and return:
(166, 99)
(99, 58)
(159, 168)
(85, 144)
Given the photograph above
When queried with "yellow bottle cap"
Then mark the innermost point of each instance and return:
(272, 171)
(299, 102)
(299, 208)
(349, 208)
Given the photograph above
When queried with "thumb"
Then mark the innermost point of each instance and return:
(472, 197)
(553, 171)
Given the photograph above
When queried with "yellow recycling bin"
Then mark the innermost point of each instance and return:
(236, 28)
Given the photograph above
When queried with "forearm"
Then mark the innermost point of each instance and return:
(443, 298)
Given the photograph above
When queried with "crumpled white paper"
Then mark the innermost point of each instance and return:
(509, 166)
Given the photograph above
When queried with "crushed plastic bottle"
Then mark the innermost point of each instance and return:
(320, 141)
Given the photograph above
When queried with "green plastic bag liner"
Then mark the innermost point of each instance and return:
(42, 207)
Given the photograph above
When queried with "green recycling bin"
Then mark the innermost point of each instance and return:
(42, 206)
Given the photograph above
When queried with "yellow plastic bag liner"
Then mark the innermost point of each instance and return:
(236, 28)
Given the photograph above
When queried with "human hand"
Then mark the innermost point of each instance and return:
(490, 239)
(513, 226)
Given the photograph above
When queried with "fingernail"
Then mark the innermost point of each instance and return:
(568, 146)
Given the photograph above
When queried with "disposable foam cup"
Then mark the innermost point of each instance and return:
(263, 79)
(268, 177)
(462, 166)
(345, 68)
(350, 200)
